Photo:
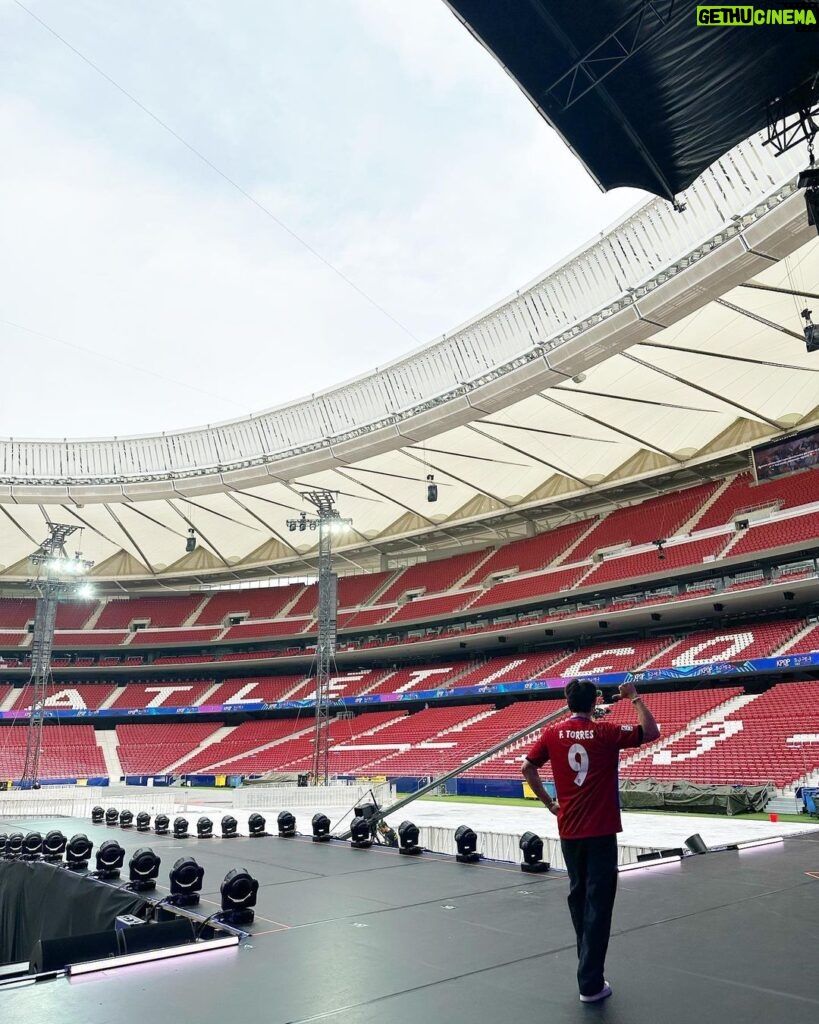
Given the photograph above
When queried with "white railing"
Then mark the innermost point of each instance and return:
(505, 846)
(582, 291)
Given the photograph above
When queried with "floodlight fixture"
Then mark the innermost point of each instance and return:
(143, 822)
(256, 826)
(126, 819)
(809, 181)
(321, 828)
(180, 828)
(143, 870)
(54, 845)
(78, 852)
(361, 837)
(86, 591)
(432, 488)
(32, 846)
(186, 883)
(230, 827)
(696, 844)
(286, 822)
(110, 858)
(162, 824)
(190, 543)
(811, 329)
(14, 847)
(112, 817)
(531, 846)
(97, 815)
(408, 833)
(238, 890)
(467, 843)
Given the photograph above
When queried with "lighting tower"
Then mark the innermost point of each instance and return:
(326, 521)
(57, 577)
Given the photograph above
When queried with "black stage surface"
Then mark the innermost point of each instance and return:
(371, 936)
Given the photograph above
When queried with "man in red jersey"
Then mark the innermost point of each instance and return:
(584, 754)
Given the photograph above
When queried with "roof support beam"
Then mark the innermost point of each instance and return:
(706, 391)
(536, 458)
(759, 319)
(729, 357)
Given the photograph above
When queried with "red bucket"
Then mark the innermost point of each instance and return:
(773, 817)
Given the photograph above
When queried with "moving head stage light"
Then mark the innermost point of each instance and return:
(186, 883)
(111, 817)
(238, 891)
(361, 837)
(97, 815)
(78, 852)
(32, 846)
(531, 846)
(230, 827)
(110, 857)
(180, 828)
(143, 822)
(204, 828)
(54, 846)
(143, 870)
(14, 846)
(467, 843)
(256, 826)
(286, 823)
(321, 828)
(162, 824)
(126, 819)
(408, 833)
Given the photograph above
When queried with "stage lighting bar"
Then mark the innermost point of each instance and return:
(749, 844)
(91, 966)
(645, 865)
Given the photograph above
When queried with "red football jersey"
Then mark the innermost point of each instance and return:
(584, 754)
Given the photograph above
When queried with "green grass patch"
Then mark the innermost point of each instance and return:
(502, 801)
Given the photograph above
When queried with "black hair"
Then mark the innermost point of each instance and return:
(581, 695)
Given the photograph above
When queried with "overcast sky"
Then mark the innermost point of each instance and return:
(141, 291)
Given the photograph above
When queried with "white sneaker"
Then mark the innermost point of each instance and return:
(604, 993)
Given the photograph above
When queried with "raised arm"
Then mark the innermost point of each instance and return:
(651, 731)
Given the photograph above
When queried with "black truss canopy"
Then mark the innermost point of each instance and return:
(642, 94)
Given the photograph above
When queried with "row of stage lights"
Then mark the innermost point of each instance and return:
(238, 889)
(362, 832)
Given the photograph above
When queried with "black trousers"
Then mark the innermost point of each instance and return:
(592, 867)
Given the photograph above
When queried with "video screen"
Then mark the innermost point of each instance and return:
(782, 457)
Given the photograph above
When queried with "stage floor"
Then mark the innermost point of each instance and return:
(369, 936)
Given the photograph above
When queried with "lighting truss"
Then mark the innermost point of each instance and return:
(327, 521)
(58, 574)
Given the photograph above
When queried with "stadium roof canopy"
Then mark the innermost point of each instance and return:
(642, 93)
(668, 343)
